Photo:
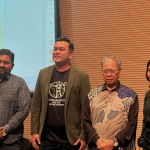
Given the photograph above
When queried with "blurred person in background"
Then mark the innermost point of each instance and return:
(144, 139)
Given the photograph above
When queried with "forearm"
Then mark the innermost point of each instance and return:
(35, 124)
(16, 121)
(21, 111)
(129, 131)
(36, 113)
(36, 108)
(35, 116)
(89, 132)
(85, 89)
(141, 138)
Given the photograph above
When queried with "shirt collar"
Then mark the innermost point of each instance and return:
(115, 89)
(5, 78)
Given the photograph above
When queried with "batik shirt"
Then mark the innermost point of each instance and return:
(110, 114)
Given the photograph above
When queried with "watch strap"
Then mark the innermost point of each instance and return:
(115, 142)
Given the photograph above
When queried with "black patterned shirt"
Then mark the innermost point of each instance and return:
(14, 107)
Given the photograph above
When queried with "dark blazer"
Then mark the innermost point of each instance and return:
(77, 88)
(144, 139)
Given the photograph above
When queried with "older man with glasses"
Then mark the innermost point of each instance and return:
(110, 111)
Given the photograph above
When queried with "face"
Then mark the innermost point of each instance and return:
(148, 72)
(111, 73)
(61, 53)
(5, 65)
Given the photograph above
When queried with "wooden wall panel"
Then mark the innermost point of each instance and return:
(27, 125)
(110, 27)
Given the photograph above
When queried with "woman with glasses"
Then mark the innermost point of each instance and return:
(144, 139)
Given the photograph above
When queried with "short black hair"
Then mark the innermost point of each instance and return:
(147, 70)
(7, 52)
(64, 38)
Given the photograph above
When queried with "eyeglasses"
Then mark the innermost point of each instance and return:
(111, 71)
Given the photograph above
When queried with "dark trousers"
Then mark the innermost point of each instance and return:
(49, 145)
(15, 146)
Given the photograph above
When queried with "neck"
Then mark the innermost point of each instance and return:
(111, 87)
(1, 78)
(62, 68)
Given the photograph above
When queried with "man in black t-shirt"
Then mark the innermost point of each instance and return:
(56, 116)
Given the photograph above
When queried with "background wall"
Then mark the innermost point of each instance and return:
(109, 27)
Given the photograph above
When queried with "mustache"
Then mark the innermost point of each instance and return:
(2, 68)
(56, 55)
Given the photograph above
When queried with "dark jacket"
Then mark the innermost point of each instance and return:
(77, 88)
(144, 139)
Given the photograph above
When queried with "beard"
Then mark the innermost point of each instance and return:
(3, 72)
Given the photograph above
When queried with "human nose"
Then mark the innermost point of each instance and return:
(108, 73)
(1, 64)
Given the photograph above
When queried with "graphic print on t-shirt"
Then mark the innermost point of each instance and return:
(54, 128)
(57, 91)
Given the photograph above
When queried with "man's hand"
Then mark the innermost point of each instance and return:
(105, 144)
(83, 144)
(35, 140)
(140, 148)
(1, 137)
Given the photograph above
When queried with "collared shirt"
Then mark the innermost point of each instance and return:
(14, 107)
(108, 114)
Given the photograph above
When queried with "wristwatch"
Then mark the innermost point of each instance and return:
(4, 133)
(115, 142)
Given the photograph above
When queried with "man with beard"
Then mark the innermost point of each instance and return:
(14, 103)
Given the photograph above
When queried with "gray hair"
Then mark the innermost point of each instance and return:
(107, 58)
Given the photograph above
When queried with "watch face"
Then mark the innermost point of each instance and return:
(116, 143)
(3, 133)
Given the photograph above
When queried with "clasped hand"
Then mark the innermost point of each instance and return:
(1, 137)
(105, 144)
